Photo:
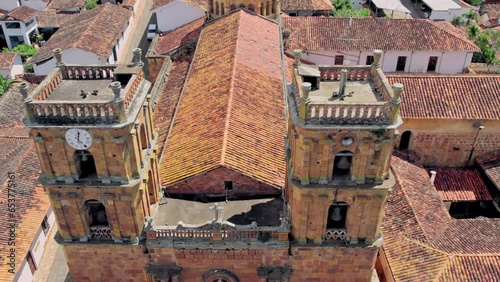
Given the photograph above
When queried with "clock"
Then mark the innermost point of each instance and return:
(78, 139)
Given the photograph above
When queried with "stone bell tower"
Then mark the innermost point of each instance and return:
(266, 8)
(341, 125)
(95, 139)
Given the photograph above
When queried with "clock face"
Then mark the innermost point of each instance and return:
(78, 139)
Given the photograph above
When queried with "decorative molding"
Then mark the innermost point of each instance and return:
(274, 273)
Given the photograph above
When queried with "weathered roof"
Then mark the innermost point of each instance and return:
(7, 60)
(461, 185)
(449, 96)
(95, 31)
(231, 111)
(22, 13)
(367, 34)
(306, 5)
(490, 164)
(423, 242)
(197, 3)
(65, 4)
(50, 18)
(179, 36)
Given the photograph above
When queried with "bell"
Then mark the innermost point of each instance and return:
(336, 216)
(343, 163)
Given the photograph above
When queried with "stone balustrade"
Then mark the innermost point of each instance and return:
(329, 73)
(89, 72)
(366, 114)
(100, 232)
(131, 89)
(43, 110)
(262, 234)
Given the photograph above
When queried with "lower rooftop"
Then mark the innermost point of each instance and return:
(97, 90)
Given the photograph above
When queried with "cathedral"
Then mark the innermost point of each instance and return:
(264, 169)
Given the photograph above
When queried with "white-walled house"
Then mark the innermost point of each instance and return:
(71, 6)
(11, 64)
(9, 5)
(35, 4)
(415, 45)
(87, 39)
(446, 9)
(171, 14)
(19, 26)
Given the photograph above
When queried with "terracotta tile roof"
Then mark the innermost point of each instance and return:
(50, 18)
(22, 13)
(95, 31)
(490, 164)
(472, 268)
(202, 4)
(231, 111)
(456, 250)
(169, 98)
(306, 5)
(410, 260)
(491, 8)
(367, 34)
(461, 185)
(11, 115)
(184, 34)
(65, 4)
(7, 60)
(18, 155)
(449, 96)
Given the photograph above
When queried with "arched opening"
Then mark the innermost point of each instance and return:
(404, 143)
(250, 7)
(144, 139)
(242, 6)
(217, 8)
(336, 221)
(85, 165)
(211, 6)
(273, 7)
(342, 166)
(233, 7)
(262, 9)
(151, 188)
(268, 8)
(96, 213)
(222, 11)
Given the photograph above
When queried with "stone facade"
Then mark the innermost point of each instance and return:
(269, 8)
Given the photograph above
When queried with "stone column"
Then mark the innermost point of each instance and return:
(24, 88)
(136, 154)
(116, 88)
(44, 158)
(397, 89)
(296, 55)
(137, 57)
(55, 203)
(59, 62)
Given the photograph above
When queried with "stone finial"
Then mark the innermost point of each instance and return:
(116, 87)
(397, 88)
(296, 54)
(286, 38)
(58, 54)
(377, 54)
(137, 58)
(306, 88)
(343, 81)
(24, 88)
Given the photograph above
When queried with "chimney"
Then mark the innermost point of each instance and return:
(286, 39)
(137, 58)
(296, 54)
(343, 82)
(306, 88)
(433, 176)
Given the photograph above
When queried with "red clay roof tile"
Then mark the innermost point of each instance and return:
(7, 60)
(184, 34)
(22, 13)
(461, 185)
(490, 164)
(306, 5)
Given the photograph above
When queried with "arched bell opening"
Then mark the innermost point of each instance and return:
(85, 165)
(342, 164)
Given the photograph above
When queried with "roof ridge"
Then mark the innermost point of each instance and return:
(93, 20)
(230, 99)
(452, 33)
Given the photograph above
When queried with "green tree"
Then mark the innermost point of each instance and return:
(474, 2)
(5, 84)
(471, 16)
(457, 21)
(23, 49)
(91, 4)
(347, 13)
(473, 31)
(342, 4)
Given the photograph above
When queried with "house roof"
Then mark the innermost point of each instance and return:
(22, 13)
(490, 164)
(179, 36)
(7, 60)
(18, 155)
(50, 18)
(367, 34)
(231, 110)
(65, 4)
(449, 96)
(169, 97)
(95, 31)
(202, 4)
(491, 8)
(306, 5)
(458, 185)
(423, 242)
(12, 113)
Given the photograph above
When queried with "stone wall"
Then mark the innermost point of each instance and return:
(212, 183)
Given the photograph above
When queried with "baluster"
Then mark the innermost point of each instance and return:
(329, 112)
(86, 111)
(321, 111)
(337, 111)
(353, 111)
(102, 111)
(362, 112)
(78, 111)
(377, 112)
(94, 111)
(46, 111)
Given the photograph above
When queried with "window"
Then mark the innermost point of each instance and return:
(405, 140)
(228, 185)
(12, 25)
(211, 5)
(339, 60)
(432, 63)
(45, 225)
(85, 165)
(219, 275)
(222, 11)
(217, 8)
(31, 262)
(273, 5)
(28, 23)
(250, 7)
(16, 40)
(401, 64)
(369, 60)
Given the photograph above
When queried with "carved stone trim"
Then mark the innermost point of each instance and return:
(215, 274)
(274, 273)
(163, 271)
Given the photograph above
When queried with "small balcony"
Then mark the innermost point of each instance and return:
(100, 232)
